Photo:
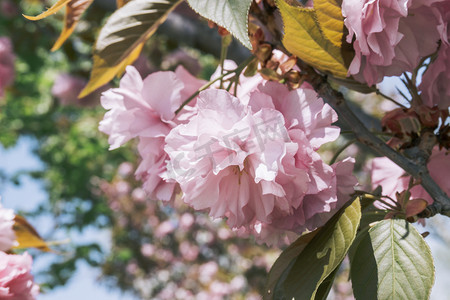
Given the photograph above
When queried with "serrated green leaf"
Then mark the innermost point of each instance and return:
(230, 14)
(321, 256)
(122, 37)
(392, 262)
(304, 37)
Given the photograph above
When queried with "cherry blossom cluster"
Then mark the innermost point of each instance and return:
(16, 281)
(392, 37)
(249, 157)
(7, 58)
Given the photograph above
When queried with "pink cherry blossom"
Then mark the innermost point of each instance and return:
(7, 236)
(148, 250)
(7, 58)
(143, 65)
(390, 36)
(9, 9)
(257, 162)
(189, 251)
(434, 86)
(207, 271)
(16, 281)
(164, 229)
(181, 57)
(186, 221)
(66, 88)
(146, 109)
(315, 211)
(393, 179)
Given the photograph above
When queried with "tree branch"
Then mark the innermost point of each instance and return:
(337, 101)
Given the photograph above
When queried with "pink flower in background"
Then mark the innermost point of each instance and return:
(390, 36)
(435, 81)
(9, 9)
(67, 87)
(7, 236)
(186, 221)
(181, 57)
(189, 251)
(146, 109)
(393, 179)
(164, 229)
(16, 281)
(434, 86)
(143, 66)
(7, 58)
(208, 271)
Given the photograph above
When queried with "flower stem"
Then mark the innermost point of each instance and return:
(236, 71)
(340, 150)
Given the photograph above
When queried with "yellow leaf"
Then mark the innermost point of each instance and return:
(122, 37)
(330, 18)
(55, 8)
(103, 72)
(26, 235)
(304, 38)
(74, 10)
(121, 3)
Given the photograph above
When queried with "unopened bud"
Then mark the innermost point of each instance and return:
(263, 52)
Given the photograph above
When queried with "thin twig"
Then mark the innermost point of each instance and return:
(378, 92)
(340, 150)
(238, 70)
(204, 87)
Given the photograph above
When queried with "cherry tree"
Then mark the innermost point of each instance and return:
(247, 145)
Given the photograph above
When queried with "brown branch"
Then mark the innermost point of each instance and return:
(419, 171)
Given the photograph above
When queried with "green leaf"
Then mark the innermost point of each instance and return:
(122, 37)
(326, 285)
(286, 259)
(321, 256)
(230, 14)
(370, 214)
(392, 262)
(305, 38)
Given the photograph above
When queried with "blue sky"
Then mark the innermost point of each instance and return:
(84, 284)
